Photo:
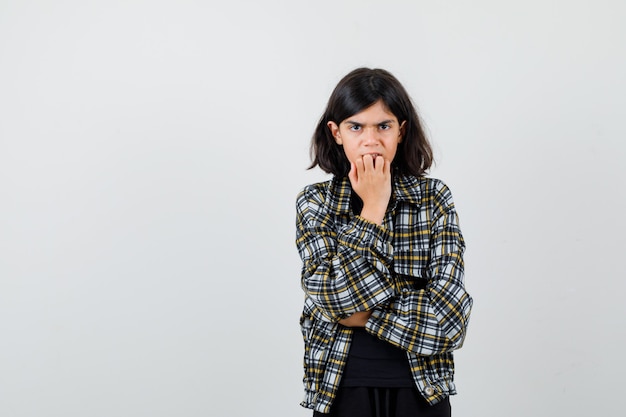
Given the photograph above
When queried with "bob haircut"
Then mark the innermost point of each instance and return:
(357, 91)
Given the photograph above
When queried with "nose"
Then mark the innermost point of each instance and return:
(371, 135)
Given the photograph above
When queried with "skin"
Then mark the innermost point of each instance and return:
(370, 140)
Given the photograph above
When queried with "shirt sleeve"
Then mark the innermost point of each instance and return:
(344, 270)
(434, 319)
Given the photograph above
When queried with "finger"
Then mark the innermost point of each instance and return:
(379, 163)
(360, 166)
(368, 162)
(386, 167)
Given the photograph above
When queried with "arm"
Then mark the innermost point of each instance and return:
(345, 270)
(431, 320)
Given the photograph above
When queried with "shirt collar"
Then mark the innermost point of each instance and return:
(405, 188)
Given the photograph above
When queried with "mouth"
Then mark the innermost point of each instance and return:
(374, 155)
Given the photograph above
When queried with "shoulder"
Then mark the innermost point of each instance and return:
(313, 205)
(436, 193)
(314, 193)
(421, 188)
(312, 202)
(434, 186)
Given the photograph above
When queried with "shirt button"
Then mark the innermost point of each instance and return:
(429, 391)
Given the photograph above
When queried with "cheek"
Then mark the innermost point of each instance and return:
(350, 153)
(393, 150)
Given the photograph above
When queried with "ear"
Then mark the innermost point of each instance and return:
(401, 134)
(334, 130)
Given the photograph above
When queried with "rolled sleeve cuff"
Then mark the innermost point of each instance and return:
(368, 239)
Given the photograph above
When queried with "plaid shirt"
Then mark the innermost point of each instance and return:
(408, 272)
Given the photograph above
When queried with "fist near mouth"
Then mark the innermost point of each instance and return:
(370, 177)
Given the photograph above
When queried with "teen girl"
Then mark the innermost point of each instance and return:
(385, 303)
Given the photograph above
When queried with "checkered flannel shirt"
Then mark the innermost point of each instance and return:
(408, 272)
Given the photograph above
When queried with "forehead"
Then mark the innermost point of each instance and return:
(375, 113)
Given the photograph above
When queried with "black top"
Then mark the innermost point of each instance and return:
(375, 363)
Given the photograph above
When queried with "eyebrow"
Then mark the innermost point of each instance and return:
(384, 122)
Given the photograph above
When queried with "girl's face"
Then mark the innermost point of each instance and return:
(374, 131)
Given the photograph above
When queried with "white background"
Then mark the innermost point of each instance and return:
(151, 152)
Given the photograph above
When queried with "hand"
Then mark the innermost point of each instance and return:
(357, 319)
(371, 180)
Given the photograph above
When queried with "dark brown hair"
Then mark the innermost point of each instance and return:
(357, 91)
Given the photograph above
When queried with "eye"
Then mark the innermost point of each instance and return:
(355, 128)
(384, 126)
